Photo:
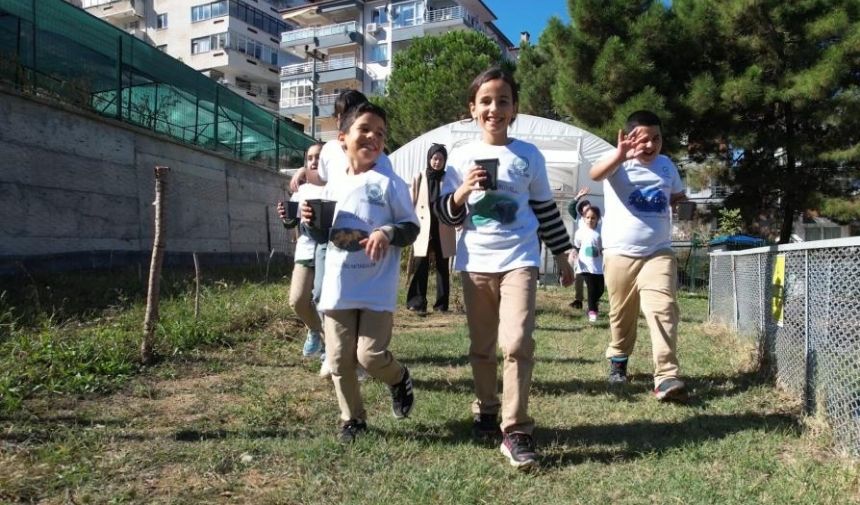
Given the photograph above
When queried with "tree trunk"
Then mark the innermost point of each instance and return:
(792, 198)
(151, 318)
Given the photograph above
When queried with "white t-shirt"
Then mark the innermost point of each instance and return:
(305, 245)
(333, 161)
(590, 257)
(366, 201)
(500, 230)
(638, 218)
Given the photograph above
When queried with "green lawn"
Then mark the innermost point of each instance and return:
(233, 414)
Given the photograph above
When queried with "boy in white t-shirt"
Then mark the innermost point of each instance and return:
(373, 221)
(640, 187)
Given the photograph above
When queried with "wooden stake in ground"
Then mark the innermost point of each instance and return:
(152, 295)
(196, 286)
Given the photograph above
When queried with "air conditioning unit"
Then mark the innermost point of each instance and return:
(373, 27)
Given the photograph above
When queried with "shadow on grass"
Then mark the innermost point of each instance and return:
(463, 360)
(190, 435)
(636, 439)
(702, 389)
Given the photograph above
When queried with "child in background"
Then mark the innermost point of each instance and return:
(639, 186)
(498, 257)
(373, 220)
(576, 208)
(302, 279)
(589, 259)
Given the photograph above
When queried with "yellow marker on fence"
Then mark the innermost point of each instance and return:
(778, 297)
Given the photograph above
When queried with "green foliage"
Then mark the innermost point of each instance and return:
(61, 347)
(769, 89)
(429, 84)
(535, 75)
(841, 210)
(730, 222)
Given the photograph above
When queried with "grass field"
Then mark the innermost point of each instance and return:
(233, 414)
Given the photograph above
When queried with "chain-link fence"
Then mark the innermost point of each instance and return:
(801, 302)
(52, 49)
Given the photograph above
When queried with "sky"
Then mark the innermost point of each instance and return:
(515, 16)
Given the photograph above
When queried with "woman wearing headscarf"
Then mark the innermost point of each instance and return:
(434, 237)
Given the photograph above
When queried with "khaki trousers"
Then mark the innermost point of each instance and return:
(301, 299)
(358, 337)
(649, 283)
(500, 309)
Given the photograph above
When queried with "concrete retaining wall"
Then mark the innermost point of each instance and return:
(74, 182)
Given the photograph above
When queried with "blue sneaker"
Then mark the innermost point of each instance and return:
(313, 344)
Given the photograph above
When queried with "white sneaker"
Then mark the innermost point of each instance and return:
(592, 316)
(325, 370)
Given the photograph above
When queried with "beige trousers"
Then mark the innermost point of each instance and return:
(301, 299)
(649, 283)
(358, 337)
(500, 309)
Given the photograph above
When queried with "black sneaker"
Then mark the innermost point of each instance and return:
(618, 370)
(671, 390)
(486, 426)
(351, 430)
(576, 304)
(520, 450)
(401, 396)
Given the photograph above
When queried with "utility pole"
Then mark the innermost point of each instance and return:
(316, 56)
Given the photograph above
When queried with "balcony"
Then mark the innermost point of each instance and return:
(320, 36)
(118, 12)
(436, 21)
(334, 69)
(301, 105)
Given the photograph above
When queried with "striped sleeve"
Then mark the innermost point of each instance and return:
(443, 211)
(550, 226)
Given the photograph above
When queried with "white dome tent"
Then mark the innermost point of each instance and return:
(569, 152)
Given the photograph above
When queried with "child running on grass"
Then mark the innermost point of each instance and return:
(373, 220)
(497, 189)
(640, 185)
(332, 164)
(589, 259)
(302, 279)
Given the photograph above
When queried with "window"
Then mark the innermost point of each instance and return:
(377, 86)
(254, 49)
(209, 43)
(407, 14)
(208, 11)
(257, 18)
(379, 53)
(297, 92)
(379, 15)
(161, 22)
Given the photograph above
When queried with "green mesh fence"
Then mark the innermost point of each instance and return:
(54, 49)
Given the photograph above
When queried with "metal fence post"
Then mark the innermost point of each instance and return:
(711, 264)
(119, 78)
(809, 351)
(735, 292)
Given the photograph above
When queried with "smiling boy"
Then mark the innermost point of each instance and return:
(640, 186)
(373, 221)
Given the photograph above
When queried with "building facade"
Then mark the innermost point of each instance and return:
(235, 42)
(349, 44)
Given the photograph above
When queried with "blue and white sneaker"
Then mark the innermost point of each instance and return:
(313, 344)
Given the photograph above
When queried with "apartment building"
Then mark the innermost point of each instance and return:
(235, 42)
(354, 41)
